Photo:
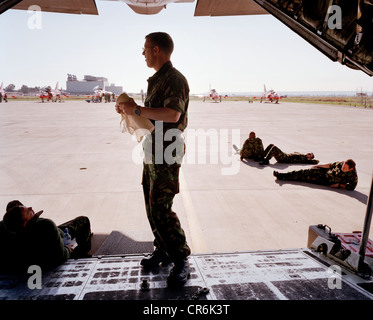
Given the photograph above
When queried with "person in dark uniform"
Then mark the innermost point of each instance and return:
(282, 157)
(26, 239)
(252, 148)
(341, 174)
(166, 105)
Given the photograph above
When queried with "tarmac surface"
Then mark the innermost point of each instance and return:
(72, 159)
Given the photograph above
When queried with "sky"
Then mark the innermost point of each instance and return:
(230, 54)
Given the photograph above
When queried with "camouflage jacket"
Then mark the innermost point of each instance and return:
(336, 175)
(40, 244)
(252, 148)
(168, 88)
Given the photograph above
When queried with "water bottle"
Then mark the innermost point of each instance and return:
(66, 238)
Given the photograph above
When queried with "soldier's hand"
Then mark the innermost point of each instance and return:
(126, 107)
(119, 108)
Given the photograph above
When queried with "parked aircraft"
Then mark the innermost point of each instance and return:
(269, 95)
(51, 94)
(3, 94)
(213, 94)
(100, 94)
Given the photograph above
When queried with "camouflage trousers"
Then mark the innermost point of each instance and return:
(160, 184)
(80, 230)
(273, 151)
(316, 176)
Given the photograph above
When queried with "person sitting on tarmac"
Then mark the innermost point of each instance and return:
(282, 157)
(341, 174)
(252, 148)
(26, 239)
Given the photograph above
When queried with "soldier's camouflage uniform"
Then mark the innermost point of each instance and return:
(252, 149)
(282, 157)
(80, 230)
(324, 176)
(166, 88)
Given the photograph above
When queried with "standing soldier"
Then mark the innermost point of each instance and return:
(252, 148)
(340, 174)
(166, 105)
(282, 157)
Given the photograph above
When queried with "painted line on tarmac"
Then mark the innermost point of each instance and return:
(198, 245)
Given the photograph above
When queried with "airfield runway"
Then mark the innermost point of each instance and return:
(72, 159)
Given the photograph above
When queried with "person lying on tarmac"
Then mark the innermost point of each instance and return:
(252, 148)
(26, 239)
(282, 157)
(341, 174)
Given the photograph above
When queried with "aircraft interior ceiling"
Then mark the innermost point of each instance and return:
(343, 31)
(340, 29)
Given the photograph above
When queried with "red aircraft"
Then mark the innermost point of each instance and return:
(50, 94)
(214, 96)
(270, 95)
(4, 94)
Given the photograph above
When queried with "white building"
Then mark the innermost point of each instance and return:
(89, 84)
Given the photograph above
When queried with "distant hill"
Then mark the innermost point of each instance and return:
(293, 93)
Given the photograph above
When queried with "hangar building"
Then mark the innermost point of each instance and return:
(89, 84)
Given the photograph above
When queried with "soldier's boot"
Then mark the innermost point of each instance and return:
(264, 162)
(258, 159)
(279, 176)
(179, 274)
(157, 257)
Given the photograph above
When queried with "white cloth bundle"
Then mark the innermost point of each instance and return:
(137, 125)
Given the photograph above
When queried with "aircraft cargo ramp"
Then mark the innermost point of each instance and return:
(258, 275)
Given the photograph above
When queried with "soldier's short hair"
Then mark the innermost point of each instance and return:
(12, 204)
(13, 221)
(351, 163)
(163, 40)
